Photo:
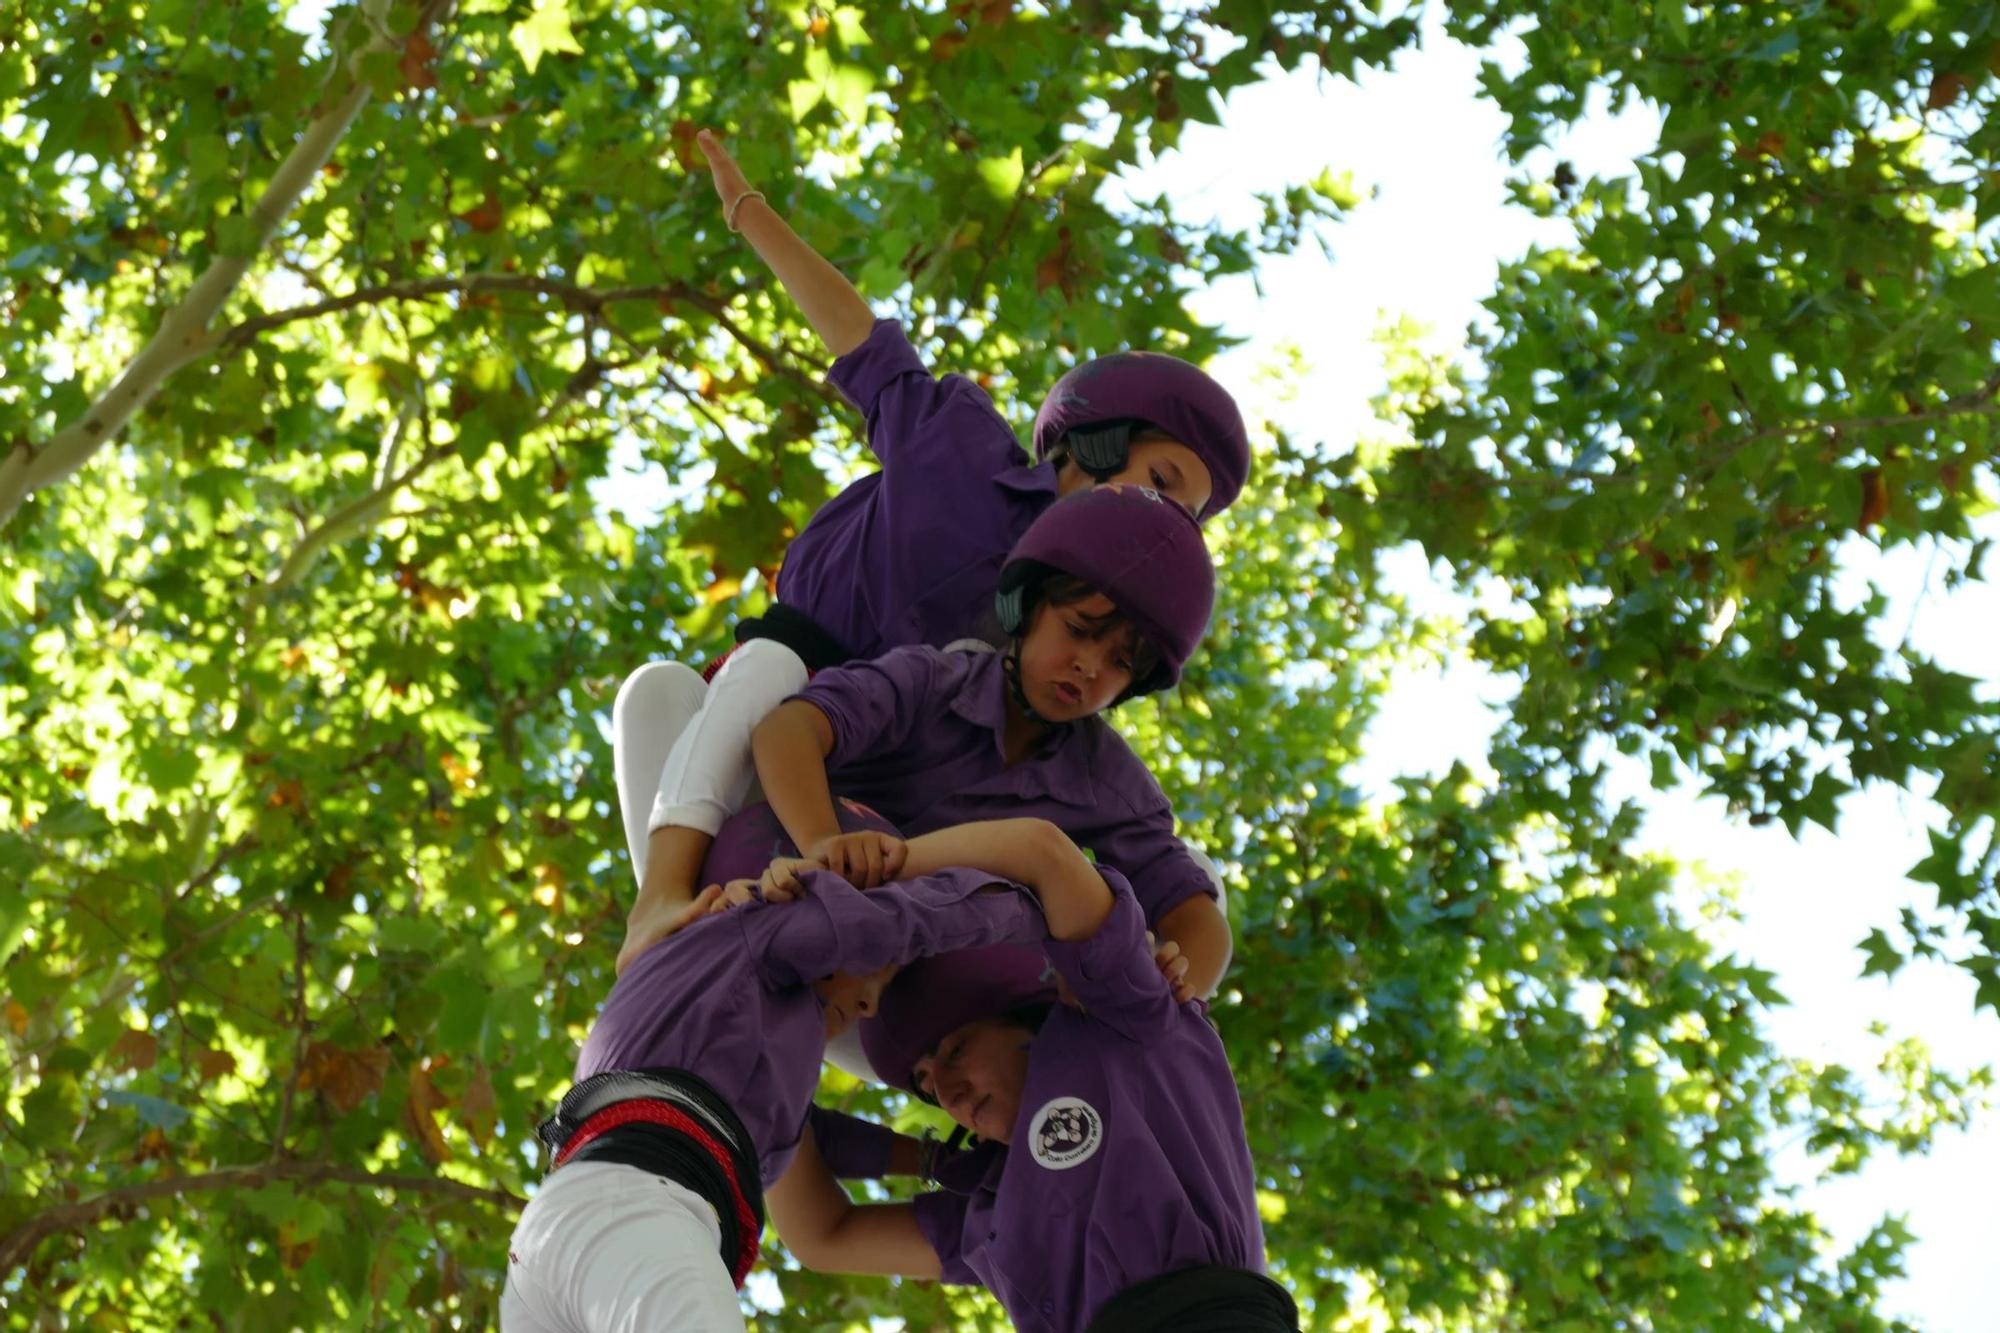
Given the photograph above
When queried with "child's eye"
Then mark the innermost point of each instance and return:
(1078, 630)
(1159, 483)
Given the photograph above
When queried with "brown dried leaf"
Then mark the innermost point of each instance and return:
(135, 1049)
(477, 1107)
(344, 1078)
(418, 53)
(212, 1064)
(1874, 498)
(487, 216)
(1946, 89)
(420, 1112)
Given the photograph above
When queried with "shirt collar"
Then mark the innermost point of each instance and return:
(981, 699)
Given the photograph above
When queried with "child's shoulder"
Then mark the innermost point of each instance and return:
(910, 667)
(1118, 769)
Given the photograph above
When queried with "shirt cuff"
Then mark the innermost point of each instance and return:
(883, 357)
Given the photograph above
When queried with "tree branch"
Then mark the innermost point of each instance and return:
(574, 296)
(181, 337)
(18, 1245)
(354, 514)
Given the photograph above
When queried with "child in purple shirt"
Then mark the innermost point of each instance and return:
(694, 1085)
(1125, 1197)
(1106, 596)
(910, 554)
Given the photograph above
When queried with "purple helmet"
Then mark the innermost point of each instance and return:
(1098, 404)
(752, 838)
(934, 997)
(1143, 552)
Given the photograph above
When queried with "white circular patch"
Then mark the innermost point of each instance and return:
(1067, 1132)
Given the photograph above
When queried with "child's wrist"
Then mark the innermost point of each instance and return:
(736, 206)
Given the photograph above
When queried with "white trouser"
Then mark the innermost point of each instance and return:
(707, 774)
(653, 707)
(605, 1248)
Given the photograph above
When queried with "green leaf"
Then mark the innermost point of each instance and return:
(1003, 175)
(1883, 957)
(803, 95)
(545, 31)
(847, 89)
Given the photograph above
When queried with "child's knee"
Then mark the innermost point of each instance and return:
(658, 688)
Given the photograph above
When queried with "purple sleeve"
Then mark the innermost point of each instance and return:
(915, 417)
(838, 928)
(941, 1217)
(874, 707)
(853, 1148)
(1112, 973)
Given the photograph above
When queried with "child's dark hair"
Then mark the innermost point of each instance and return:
(1059, 590)
(1059, 454)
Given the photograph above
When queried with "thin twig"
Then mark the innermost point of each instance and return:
(299, 1043)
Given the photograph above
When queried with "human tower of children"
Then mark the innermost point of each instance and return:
(910, 898)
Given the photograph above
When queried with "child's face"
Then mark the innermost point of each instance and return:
(977, 1074)
(1072, 663)
(850, 997)
(1166, 465)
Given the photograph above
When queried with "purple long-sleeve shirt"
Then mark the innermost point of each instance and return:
(918, 734)
(912, 554)
(1129, 1158)
(730, 998)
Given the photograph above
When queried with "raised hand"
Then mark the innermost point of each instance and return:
(730, 186)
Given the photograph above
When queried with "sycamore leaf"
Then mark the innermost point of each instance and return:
(1003, 175)
(545, 31)
(1883, 957)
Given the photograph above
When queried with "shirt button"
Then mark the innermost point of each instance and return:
(1048, 1309)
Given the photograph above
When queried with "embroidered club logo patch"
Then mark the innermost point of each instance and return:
(1067, 1132)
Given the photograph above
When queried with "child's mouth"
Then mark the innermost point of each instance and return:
(1068, 693)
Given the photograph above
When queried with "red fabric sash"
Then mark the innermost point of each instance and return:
(646, 1112)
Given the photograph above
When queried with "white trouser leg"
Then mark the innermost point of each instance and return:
(604, 1248)
(653, 707)
(708, 774)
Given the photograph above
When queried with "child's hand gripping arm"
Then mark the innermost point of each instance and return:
(828, 301)
(790, 747)
(1032, 852)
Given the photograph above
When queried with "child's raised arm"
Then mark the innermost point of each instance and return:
(790, 747)
(828, 301)
(1033, 852)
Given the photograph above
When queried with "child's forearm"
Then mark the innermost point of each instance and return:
(1203, 933)
(1074, 898)
(826, 298)
(807, 1204)
(825, 1230)
(790, 747)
